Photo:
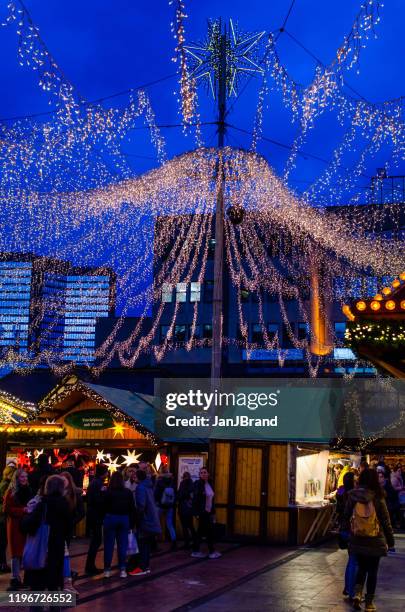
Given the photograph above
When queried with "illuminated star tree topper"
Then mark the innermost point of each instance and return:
(244, 55)
(130, 458)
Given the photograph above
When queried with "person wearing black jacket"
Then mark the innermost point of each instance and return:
(95, 516)
(204, 509)
(43, 469)
(119, 518)
(368, 500)
(55, 508)
(185, 501)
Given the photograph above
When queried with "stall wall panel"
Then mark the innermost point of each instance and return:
(248, 476)
(277, 526)
(222, 466)
(247, 522)
(278, 475)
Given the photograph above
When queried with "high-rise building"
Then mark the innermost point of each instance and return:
(47, 306)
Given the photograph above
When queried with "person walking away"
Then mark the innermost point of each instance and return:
(391, 496)
(371, 534)
(74, 498)
(165, 497)
(148, 523)
(43, 469)
(118, 520)
(204, 509)
(344, 533)
(15, 503)
(95, 516)
(4, 485)
(55, 508)
(185, 501)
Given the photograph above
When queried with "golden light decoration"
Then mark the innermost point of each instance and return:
(387, 290)
(113, 465)
(390, 305)
(378, 296)
(361, 305)
(396, 283)
(375, 305)
(402, 276)
(118, 429)
(402, 304)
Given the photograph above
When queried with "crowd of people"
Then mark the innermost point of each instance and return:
(368, 506)
(128, 509)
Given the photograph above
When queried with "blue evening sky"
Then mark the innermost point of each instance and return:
(105, 46)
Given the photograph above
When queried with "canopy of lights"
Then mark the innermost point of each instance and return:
(99, 213)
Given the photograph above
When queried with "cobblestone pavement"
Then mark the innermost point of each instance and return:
(245, 578)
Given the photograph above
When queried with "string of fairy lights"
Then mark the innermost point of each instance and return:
(66, 190)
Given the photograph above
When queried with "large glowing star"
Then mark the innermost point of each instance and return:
(113, 465)
(118, 429)
(101, 456)
(130, 458)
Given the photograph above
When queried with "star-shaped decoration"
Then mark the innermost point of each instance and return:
(130, 458)
(118, 429)
(101, 456)
(158, 462)
(29, 454)
(37, 453)
(76, 453)
(50, 421)
(243, 56)
(113, 465)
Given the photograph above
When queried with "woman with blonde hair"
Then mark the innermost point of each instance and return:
(15, 503)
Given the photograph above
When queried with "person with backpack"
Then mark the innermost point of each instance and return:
(165, 497)
(371, 534)
(148, 524)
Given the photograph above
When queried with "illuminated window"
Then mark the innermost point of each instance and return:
(181, 292)
(207, 331)
(167, 293)
(340, 328)
(195, 292)
(303, 330)
(180, 334)
(272, 330)
(257, 333)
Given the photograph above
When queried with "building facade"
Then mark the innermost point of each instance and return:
(49, 307)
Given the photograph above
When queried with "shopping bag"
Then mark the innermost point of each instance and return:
(132, 544)
(36, 547)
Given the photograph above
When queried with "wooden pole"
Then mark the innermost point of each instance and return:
(217, 305)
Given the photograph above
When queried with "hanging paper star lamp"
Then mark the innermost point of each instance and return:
(100, 457)
(158, 462)
(37, 453)
(118, 429)
(130, 458)
(113, 465)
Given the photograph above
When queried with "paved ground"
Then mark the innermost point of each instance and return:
(246, 578)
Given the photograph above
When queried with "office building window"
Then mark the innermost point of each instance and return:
(207, 331)
(167, 293)
(208, 291)
(272, 330)
(197, 332)
(180, 333)
(195, 292)
(303, 330)
(164, 330)
(211, 248)
(340, 328)
(257, 333)
(181, 292)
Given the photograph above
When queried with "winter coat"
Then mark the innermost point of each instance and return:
(60, 519)
(368, 545)
(95, 502)
(199, 498)
(147, 512)
(14, 508)
(162, 483)
(35, 477)
(185, 497)
(120, 502)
